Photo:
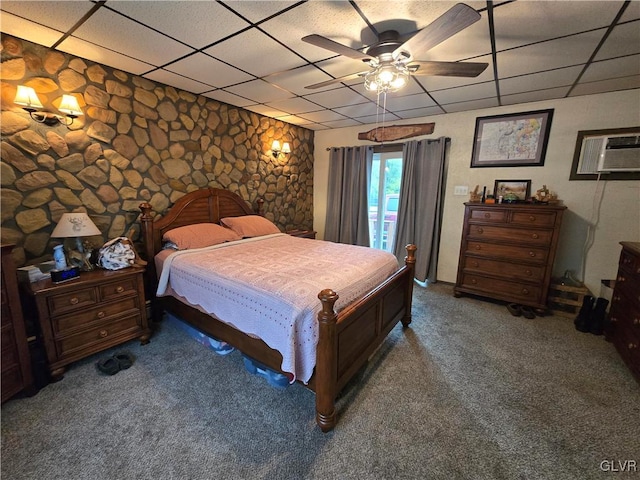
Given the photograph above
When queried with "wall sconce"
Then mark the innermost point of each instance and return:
(276, 149)
(26, 97)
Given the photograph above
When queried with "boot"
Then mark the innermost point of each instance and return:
(598, 316)
(583, 320)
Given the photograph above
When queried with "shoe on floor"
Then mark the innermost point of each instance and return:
(527, 312)
(514, 309)
(124, 359)
(108, 366)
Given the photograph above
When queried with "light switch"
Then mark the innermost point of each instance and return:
(461, 190)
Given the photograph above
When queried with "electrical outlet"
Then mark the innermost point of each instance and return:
(461, 190)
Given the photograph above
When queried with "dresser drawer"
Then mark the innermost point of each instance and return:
(515, 271)
(488, 215)
(625, 311)
(520, 235)
(67, 323)
(502, 288)
(100, 334)
(508, 252)
(630, 263)
(626, 285)
(115, 290)
(72, 301)
(534, 219)
(627, 343)
(9, 353)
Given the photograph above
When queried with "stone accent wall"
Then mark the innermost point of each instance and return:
(138, 141)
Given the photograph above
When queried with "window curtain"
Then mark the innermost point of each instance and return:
(420, 206)
(347, 206)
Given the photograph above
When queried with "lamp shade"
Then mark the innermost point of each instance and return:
(275, 146)
(26, 97)
(69, 105)
(286, 148)
(75, 225)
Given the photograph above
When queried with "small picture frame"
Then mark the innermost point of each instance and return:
(512, 191)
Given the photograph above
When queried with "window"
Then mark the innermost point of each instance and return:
(384, 196)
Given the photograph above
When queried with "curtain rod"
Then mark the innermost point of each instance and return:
(393, 145)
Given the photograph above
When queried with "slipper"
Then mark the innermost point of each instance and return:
(123, 359)
(527, 312)
(109, 366)
(514, 309)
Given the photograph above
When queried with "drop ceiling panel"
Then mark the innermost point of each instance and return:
(259, 91)
(562, 52)
(462, 94)
(407, 102)
(419, 112)
(522, 23)
(177, 81)
(623, 40)
(542, 80)
(615, 84)
(102, 55)
(322, 116)
(378, 119)
(360, 110)
(206, 69)
(61, 18)
(257, 11)
(337, 97)
(607, 69)
(229, 98)
(342, 123)
(471, 105)
(132, 39)
(22, 28)
(294, 105)
(267, 111)
(535, 96)
(297, 79)
(270, 57)
(197, 24)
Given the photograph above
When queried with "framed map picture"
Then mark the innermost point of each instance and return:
(513, 140)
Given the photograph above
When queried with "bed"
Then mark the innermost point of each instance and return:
(347, 334)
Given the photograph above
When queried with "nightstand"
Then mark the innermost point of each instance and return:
(302, 233)
(86, 315)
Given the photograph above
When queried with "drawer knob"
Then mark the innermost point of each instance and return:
(478, 247)
(474, 281)
(616, 298)
(487, 215)
(120, 289)
(103, 333)
(474, 264)
(532, 218)
(528, 272)
(101, 314)
(621, 279)
(532, 254)
(480, 230)
(535, 236)
(633, 346)
(636, 321)
(613, 319)
(74, 300)
(525, 291)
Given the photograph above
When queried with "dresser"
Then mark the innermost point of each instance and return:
(624, 312)
(507, 252)
(16, 362)
(86, 315)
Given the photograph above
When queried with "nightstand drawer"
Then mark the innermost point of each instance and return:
(116, 290)
(72, 301)
(99, 334)
(68, 323)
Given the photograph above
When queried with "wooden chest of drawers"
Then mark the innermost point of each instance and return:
(624, 313)
(507, 251)
(83, 316)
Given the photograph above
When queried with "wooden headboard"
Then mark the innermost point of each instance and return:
(207, 205)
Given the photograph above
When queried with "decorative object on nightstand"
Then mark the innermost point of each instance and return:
(302, 233)
(16, 362)
(76, 225)
(101, 309)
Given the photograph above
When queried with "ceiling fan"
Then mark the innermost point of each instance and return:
(391, 60)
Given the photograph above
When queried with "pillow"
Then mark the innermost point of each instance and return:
(250, 225)
(199, 235)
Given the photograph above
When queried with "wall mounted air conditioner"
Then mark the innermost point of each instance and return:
(609, 154)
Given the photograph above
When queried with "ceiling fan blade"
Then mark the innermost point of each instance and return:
(450, 69)
(454, 20)
(324, 42)
(352, 76)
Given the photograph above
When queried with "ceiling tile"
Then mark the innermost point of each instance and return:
(294, 105)
(322, 116)
(337, 97)
(256, 11)
(133, 39)
(22, 28)
(420, 100)
(229, 98)
(199, 24)
(102, 55)
(208, 70)
(360, 110)
(270, 57)
(419, 112)
(541, 80)
(562, 52)
(471, 105)
(259, 91)
(342, 123)
(623, 40)
(535, 96)
(297, 79)
(61, 18)
(293, 119)
(612, 85)
(462, 94)
(177, 81)
(267, 111)
(619, 67)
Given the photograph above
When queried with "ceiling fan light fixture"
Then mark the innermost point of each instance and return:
(387, 78)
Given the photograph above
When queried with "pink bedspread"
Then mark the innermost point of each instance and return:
(268, 287)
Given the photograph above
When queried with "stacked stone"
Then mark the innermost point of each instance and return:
(138, 141)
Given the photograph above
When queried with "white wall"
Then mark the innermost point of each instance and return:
(619, 211)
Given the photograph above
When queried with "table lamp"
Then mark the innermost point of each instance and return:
(76, 225)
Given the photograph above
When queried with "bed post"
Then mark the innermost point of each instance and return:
(410, 262)
(326, 362)
(260, 207)
(146, 227)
